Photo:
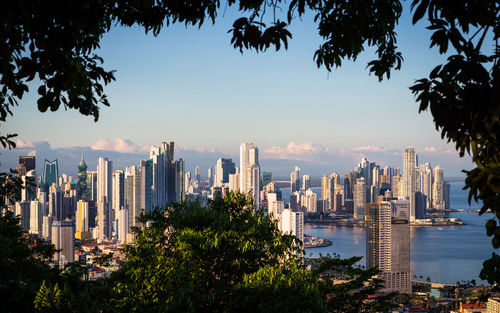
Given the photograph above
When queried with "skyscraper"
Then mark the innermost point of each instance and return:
(409, 177)
(223, 168)
(82, 220)
(388, 244)
(250, 171)
(118, 198)
(267, 177)
(29, 162)
(292, 223)
(197, 174)
(82, 179)
(62, 239)
(306, 182)
(50, 173)
(104, 198)
(359, 198)
(437, 189)
(295, 180)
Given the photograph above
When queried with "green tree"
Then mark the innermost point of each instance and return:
(228, 257)
(24, 265)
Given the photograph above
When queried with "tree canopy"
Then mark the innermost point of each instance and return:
(56, 41)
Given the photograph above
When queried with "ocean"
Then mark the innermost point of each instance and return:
(445, 254)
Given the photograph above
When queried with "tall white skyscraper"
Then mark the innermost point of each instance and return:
(118, 194)
(104, 198)
(250, 171)
(437, 189)
(359, 195)
(306, 182)
(410, 177)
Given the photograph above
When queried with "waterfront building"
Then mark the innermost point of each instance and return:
(306, 182)
(275, 207)
(250, 171)
(359, 199)
(310, 201)
(267, 177)
(210, 177)
(420, 205)
(326, 192)
(295, 180)
(446, 195)
(424, 182)
(292, 223)
(437, 189)
(388, 245)
(409, 177)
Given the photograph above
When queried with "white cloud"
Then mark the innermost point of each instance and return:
(370, 148)
(118, 145)
(295, 151)
(25, 144)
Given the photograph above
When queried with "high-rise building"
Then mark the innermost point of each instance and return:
(310, 201)
(179, 180)
(223, 168)
(82, 220)
(22, 209)
(82, 179)
(410, 164)
(295, 180)
(267, 177)
(437, 189)
(359, 199)
(29, 162)
(91, 186)
(28, 192)
(103, 220)
(388, 244)
(292, 223)
(62, 239)
(123, 226)
(234, 181)
(146, 187)
(446, 195)
(326, 192)
(50, 173)
(424, 182)
(56, 196)
(420, 205)
(210, 177)
(250, 171)
(104, 180)
(274, 206)
(306, 182)
(197, 174)
(159, 177)
(36, 217)
(118, 193)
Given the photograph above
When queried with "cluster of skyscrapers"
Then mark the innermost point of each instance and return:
(104, 204)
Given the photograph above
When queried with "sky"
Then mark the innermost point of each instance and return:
(191, 86)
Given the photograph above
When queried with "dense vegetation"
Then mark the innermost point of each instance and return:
(222, 257)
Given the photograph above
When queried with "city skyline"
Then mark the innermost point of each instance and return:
(313, 159)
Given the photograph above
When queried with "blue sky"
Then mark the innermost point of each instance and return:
(190, 86)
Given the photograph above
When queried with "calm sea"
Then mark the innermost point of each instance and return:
(445, 254)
